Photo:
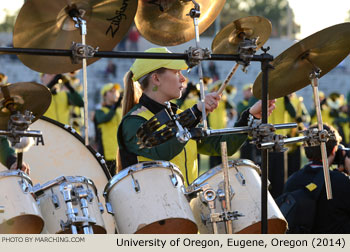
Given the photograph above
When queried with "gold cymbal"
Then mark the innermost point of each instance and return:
(166, 23)
(228, 39)
(23, 96)
(46, 24)
(324, 49)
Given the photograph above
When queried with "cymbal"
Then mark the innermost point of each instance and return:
(228, 39)
(23, 96)
(166, 23)
(324, 49)
(48, 25)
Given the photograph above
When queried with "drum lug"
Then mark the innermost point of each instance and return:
(204, 219)
(24, 185)
(135, 183)
(173, 176)
(240, 178)
(174, 180)
(109, 208)
(55, 201)
(100, 206)
(2, 209)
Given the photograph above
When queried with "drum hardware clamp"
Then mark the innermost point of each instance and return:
(196, 55)
(80, 51)
(221, 191)
(71, 212)
(312, 137)
(83, 195)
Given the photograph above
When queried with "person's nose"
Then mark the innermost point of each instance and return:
(182, 77)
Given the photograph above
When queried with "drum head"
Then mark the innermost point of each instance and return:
(62, 152)
(23, 224)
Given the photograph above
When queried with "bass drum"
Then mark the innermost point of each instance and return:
(62, 152)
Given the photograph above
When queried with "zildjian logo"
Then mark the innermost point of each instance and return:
(116, 20)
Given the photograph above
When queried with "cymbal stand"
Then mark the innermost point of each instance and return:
(314, 77)
(265, 67)
(198, 54)
(82, 51)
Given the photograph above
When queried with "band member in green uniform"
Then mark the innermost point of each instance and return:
(147, 86)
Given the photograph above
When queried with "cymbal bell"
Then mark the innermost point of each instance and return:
(46, 24)
(324, 50)
(228, 39)
(23, 96)
(167, 23)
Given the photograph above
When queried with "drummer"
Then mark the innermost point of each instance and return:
(8, 157)
(147, 86)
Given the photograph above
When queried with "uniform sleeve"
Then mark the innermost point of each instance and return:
(165, 151)
(102, 117)
(212, 145)
(75, 99)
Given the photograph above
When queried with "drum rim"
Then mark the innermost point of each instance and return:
(72, 131)
(135, 168)
(213, 171)
(63, 179)
(16, 173)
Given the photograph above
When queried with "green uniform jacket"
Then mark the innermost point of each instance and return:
(129, 149)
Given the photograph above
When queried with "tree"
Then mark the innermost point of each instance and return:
(277, 11)
(9, 22)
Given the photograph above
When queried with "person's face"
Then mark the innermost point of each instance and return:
(112, 96)
(247, 93)
(171, 84)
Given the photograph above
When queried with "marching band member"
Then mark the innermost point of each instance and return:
(148, 85)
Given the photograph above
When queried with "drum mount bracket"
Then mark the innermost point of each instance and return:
(80, 51)
(315, 136)
(196, 55)
(17, 129)
(263, 133)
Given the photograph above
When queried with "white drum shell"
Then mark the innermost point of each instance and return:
(246, 200)
(159, 206)
(64, 154)
(20, 213)
(53, 215)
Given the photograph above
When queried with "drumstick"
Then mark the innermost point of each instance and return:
(227, 184)
(228, 78)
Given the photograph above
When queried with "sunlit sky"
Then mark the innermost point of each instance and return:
(312, 15)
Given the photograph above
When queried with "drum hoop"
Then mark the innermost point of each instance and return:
(138, 167)
(62, 179)
(98, 156)
(231, 163)
(16, 173)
